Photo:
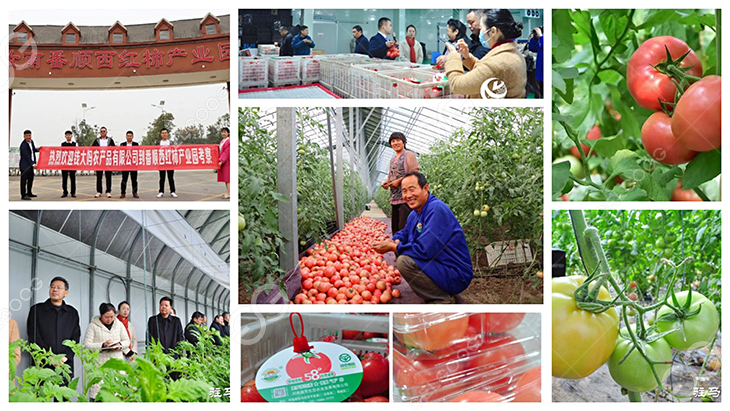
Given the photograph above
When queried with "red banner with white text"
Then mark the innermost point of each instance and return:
(129, 158)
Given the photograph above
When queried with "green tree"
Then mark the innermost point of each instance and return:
(153, 130)
(193, 134)
(213, 133)
(84, 133)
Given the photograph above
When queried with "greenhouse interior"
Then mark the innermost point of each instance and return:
(333, 67)
(120, 255)
(311, 177)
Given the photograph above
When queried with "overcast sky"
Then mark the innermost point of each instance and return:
(49, 113)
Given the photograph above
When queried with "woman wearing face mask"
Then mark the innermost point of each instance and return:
(108, 336)
(411, 50)
(503, 63)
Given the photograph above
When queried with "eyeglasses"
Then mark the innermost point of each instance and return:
(58, 287)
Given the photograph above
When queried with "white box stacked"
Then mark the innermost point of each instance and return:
(309, 69)
(413, 84)
(262, 338)
(253, 73)
(267, 50)
(364, 77)
(335, 72)
(505, 252)
(283, 71)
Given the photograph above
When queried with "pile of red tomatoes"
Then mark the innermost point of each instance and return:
(347, 270)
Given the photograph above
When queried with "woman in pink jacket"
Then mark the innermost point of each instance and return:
(224, 164)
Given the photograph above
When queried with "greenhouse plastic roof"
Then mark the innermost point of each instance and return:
(422, 126)
(181, 246)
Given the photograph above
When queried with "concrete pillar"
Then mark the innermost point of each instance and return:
(340, 167)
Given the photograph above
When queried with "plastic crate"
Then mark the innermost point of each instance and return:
(253, 72)
(413, 84)
(335, 72)
(309, 67)
(505, 252)
(267, 50)
(277, 335)
(364, 78)
(283, 71)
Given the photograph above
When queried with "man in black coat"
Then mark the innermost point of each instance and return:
(68, 174)
(473, 20)
(53, 321)
(164, 327)
(362, 45)
(103, 141)
(192, 333)
(379, 43)
(27, 166)
(226, 328)
(126, 174)
(285, 49)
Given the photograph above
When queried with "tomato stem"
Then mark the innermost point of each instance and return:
(634, 396)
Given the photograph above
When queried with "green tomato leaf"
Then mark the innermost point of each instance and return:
(607, 146)
(611, 77)
(561, 175)
(702, 169)
(657, 17)
(563, 44)
(625, 163)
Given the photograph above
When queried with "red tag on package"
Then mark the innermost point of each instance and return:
(316, 372)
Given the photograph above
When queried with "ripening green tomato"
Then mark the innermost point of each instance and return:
(668, 253)
(576, 167)
(483, 214)
(241, 222)
(582, 341)
(628, 236)
(611, 243)
(698, 330)
(660, 243)
(671, 237)
(635, 373)
(477, 213)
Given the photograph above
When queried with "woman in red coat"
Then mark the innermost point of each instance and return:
(224, 164)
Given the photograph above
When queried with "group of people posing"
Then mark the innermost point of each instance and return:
(28, 161)
(111, 333)
(484, 48)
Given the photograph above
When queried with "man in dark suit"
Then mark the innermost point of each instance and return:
(362, 45)
(285, 49)
(52, 322)
(473, 20)
(68, 174)
(103, 141)
(27, 166)
(379, 43)
(126, 174)
(164, 327)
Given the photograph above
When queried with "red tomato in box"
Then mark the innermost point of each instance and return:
(501, 352)
(479, 396)
(434, 336)
(496, 323)
(528, 387)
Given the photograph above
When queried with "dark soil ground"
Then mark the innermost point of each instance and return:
(600, 387)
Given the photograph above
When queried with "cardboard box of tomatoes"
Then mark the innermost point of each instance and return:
(461, 357)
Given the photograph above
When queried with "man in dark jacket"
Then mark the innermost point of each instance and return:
(164, 327)
(226, 328)
(53, 321)
(473, 20)
(68, 174)
(362, 45)
(302, 44)
(192, 333)
(285, 49)
(126, 174)
(103, 141)
(432, 253)
(27, 166)
(379, 43)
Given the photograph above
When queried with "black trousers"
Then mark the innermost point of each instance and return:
(125, 175)
(65, 175)
(26, 181)
(400, 216)
(108, 175)
(170, 179)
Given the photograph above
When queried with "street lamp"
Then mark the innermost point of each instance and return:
(161, 106)
(86, 108)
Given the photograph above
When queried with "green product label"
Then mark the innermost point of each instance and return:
(327, 373)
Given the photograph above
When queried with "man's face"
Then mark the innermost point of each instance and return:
(27, 137)
(164, 134)
(220, 320)
(473, 22)
(227, 318)
(165, 308)
(356, 34)
(130, 137)
(305, 32)
(414, 195)
(103, 133)
(283, 32)
(68, 137)
(199, 320)
(388, 27)
(58, 291)
(397, 144)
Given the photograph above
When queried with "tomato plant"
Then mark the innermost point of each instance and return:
(643, 77)
(658, 311)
